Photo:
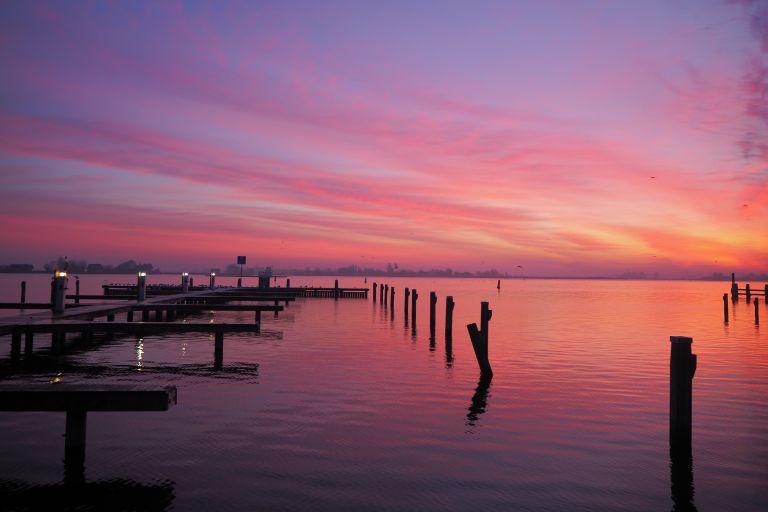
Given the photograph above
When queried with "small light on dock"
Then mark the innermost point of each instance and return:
(185, 274)
(142, 274)
(213, 274)
(60, 273)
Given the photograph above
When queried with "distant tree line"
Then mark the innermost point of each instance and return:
(83, 267)
(392, 270)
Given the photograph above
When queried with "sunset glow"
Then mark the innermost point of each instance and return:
(561, 139)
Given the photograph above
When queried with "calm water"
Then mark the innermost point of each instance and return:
(339, 406)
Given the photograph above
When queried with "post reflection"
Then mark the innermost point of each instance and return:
(448, 352)
(479, 401)
(681, 473)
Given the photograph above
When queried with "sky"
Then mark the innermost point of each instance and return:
(571, 138)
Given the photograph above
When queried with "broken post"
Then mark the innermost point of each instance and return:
(479, 339)
(449, 317)
(725, 307)
(749, 294)
(392, 302)
(432, 303)
(374, 291)
(734, 288)
(498, 284)
(381, 294)
(682, 367)
(414, 298)
(141, 286)
(386, 294)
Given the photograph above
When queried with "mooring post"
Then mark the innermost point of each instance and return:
(757, 314)
(414, 298)
(77, 290)
(145, 315)
(212, 283)
(681, 370)
(725, 307)
(28, 342)
(74, 445)
(184, 282)
(386, 294)
(158, 315)
(432, 303)
(734, 288)
(15, 344)
(407, 299)
(141, 286)
(381, 294)
(59, 291)
(129, 316)
(191, 282)
(239, 282)
(449, 317)
(23, 292)
(336, 289)
(498, 284)
(374, 290)
(479, 339)
(392, 302)
(749, 294)
(257, 318)
(287, 283)
(218, 350)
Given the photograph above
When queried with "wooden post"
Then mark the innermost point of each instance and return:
(15, 344)
(74, 445)
(392, 302)
(374, 291)
(218, 350)
(257, 319)
(407, 298)
(479, 339)
(277, 303)
(757, 315)
(386, 294)
(212, 283)
(28, 343)
(734, 288)
(432, 303)
(191, 282)
(336, 289)
(725, 307)
(129, 316)
(23, 292)
(184, 282)
(239, 282)
(110, 318)
(287, 283)
(381, 294)
(77, 291)
(59, 292)
(145, 316)
(170, 315)
(158, 315)
(682, 367)
(449, 317)
(749, 294)
(498, 284)
(414, 298)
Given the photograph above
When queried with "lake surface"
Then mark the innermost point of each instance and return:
(339, 406)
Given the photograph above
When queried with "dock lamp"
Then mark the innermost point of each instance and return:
(185, 282)
(59, 287)
(141, 286)
(213, 279)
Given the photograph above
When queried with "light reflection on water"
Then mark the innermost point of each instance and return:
(339, 406)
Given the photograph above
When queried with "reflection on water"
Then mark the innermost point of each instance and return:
(681, 469)
(479, 401)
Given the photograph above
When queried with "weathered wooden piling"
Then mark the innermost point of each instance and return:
(734, 288)
(414, 298)
(336, 289)
(749, 294)
(374, 291)
(392, 302)
(218, 350)
(757, 314)
(257, 319)
(239, 282)
(212, 283)
(498, 284)
(141, 286)
(449, 317)
(682, 367)
(386, 294)
(287, 283)
(479, 339)
(184, 282)
(129, 316)
(145, 315)
(381, 294)
(23, 292)
(77, 290)
(407, 299)
(725, 307)
(432, 303)
(59, 291)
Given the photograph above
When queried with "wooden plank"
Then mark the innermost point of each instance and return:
(86, 397)
(205, 307)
